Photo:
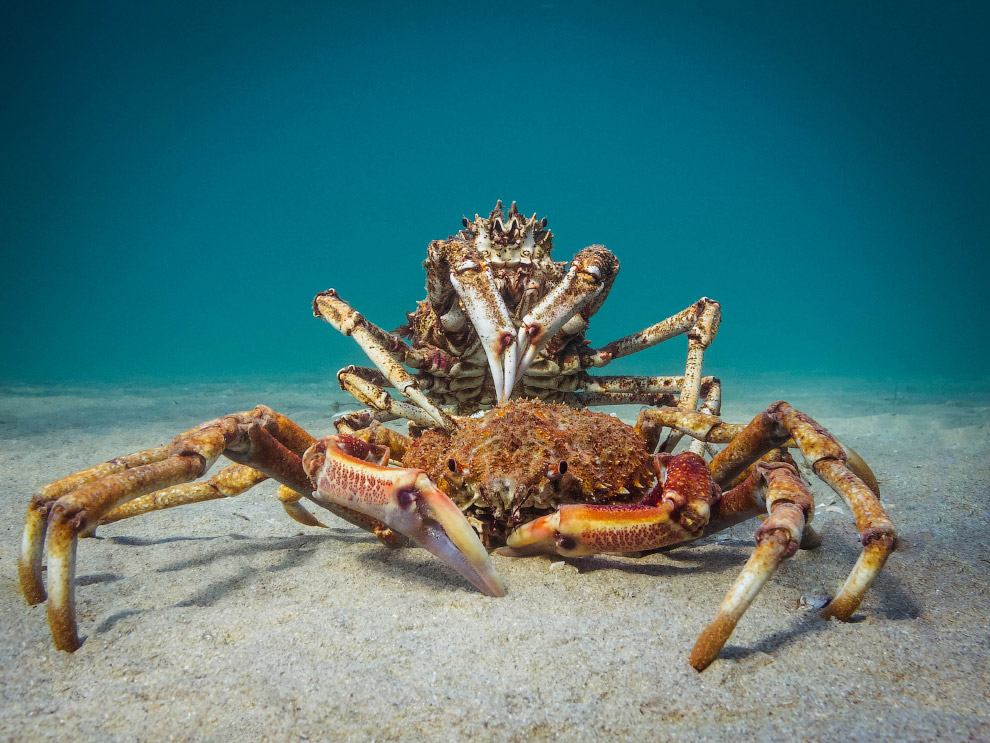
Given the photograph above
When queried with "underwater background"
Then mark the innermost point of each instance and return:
(179, 179)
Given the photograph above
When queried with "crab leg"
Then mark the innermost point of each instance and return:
(348, 472)
(227, 483)
(790, 507)
(583, 289)
(700, 322)
(72, 506)
(376, 344)
(366, 386)
(36, 523)
(844, 471)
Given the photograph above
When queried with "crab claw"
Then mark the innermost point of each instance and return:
(476, 288)
(545, 536)
(405, 500)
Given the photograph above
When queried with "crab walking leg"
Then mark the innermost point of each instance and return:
(677, 510)
(709, 428)
(711, 404)
(700, 322)
(582, 290)
(370, 393)
(36, 523)
(831, 462)
(348, 472)
(790, 507)
(378, 345)
(244, 436)
(581, 399)
(627, 383)
(701, 319)
(484, 305)
(72, 513)
(227, 483)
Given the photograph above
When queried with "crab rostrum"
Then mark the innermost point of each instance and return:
(502, 452)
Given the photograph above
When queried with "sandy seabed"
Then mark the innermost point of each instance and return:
(226, 620)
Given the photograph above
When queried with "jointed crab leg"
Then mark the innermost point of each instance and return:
(348, 472)
(845, 472)
(700, 322)
(36, 523)
(262, 438)
(376, 342)
(790, 508)
(227, 483)
(366, 386)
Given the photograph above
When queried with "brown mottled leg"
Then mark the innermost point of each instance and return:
(659, 391)
(699, 322)
(790, 507)
(845, 473)
(366, 385)
(262, 439)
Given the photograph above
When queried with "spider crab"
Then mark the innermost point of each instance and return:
(501, 330)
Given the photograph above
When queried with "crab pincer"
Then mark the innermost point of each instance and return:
(350, 473)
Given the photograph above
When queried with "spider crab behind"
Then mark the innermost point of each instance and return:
(501, 321)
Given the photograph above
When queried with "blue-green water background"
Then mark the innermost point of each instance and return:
(179, 179)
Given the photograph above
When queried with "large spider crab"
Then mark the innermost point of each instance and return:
(502, 329)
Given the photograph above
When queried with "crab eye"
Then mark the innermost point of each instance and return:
(557, 471)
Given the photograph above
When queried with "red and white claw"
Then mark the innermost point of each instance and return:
(677, 510)
(346, 472)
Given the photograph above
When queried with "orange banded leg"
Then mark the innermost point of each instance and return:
(677, 510)
(843, 469)
(66, 508)
(790, 506)
(844, 472)
(366, 385)
(36, 523)
(227, 483)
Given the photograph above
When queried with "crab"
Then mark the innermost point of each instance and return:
(502, 452)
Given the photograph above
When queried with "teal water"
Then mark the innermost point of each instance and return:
(179, 179)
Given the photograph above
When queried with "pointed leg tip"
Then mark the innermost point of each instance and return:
(64, 633)
(711, 641)
(839, 609)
